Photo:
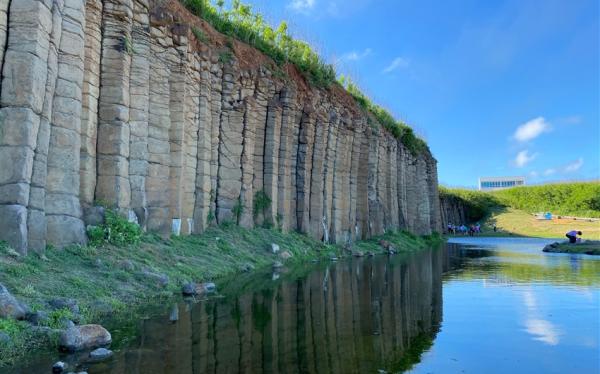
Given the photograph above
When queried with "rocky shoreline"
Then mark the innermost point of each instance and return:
(588, 247)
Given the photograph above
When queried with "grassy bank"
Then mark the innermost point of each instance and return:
(114, 282)
(510, 221)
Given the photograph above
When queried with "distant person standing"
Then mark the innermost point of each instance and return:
(572, 235)
(495, 228)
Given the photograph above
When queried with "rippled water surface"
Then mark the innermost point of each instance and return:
(476, 305)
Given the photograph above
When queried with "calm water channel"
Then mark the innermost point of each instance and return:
(477, 305)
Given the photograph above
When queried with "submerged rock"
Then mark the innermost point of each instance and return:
(100, 354)
(77, 338)
(10, 307)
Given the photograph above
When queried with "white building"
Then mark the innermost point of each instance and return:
(496, 183)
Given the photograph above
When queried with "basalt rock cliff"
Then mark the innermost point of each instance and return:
(118, 102)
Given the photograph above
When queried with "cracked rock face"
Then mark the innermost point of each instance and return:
(115, 101)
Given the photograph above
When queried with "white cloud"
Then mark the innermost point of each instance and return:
(531, 129)
(523, 158)
(302, 6)
(550, 171)
(399, 62)
(574, 166)
(355, 56)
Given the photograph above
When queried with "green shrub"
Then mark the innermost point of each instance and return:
(577, 199)
(200, 35)
(115, 230)
(478, 205)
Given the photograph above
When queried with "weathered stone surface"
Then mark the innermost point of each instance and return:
(11, 307)
(116, 102)
(82, 337)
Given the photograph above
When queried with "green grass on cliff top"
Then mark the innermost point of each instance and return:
(241, 22)
(113, 280)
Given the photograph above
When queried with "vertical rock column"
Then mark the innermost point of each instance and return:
(271, 158)
(304, 160)
(176, 133)
(63, 209)
(139, 91)
(246, 218)
(21, 101)
(229, 182)
(423, 204)
(393, 186)
(328, 174)
(89, 102)
(36, 218)
(112, 185)
(4, 4)
(362, 185)
(353, 185)
(375, 209)
(203, 167)
(157, 181)
(285, 158)
(190, 141)
(316, 179)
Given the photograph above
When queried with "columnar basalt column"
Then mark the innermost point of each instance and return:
(139, 100)
(304, 169)
(229, 181)
(317, 181)
(63, 210)
(271, 158)
(36, 218)
(24, 78)
(112, 186)
(89, 103)
(203, 168)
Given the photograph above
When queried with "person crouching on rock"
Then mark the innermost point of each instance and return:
(572, 235)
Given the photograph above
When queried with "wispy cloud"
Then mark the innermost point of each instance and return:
(531, 129)
(523, 158)
(398, 63)
(549, 171)
(302, 6)
(355, 55)
(574, 166)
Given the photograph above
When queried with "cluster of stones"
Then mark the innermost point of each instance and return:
(114, 101)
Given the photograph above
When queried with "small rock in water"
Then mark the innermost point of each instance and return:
(275, 276)
(274, 248)
(356, 253)
(370, 254)
(277, 264)
(100, 354)
(59, 367)
(333, 258)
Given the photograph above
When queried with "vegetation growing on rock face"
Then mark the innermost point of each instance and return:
(115, 230)
(240, 22)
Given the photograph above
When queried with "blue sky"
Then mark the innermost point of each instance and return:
(497, 88)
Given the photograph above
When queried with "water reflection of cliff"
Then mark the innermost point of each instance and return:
(354, 317)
